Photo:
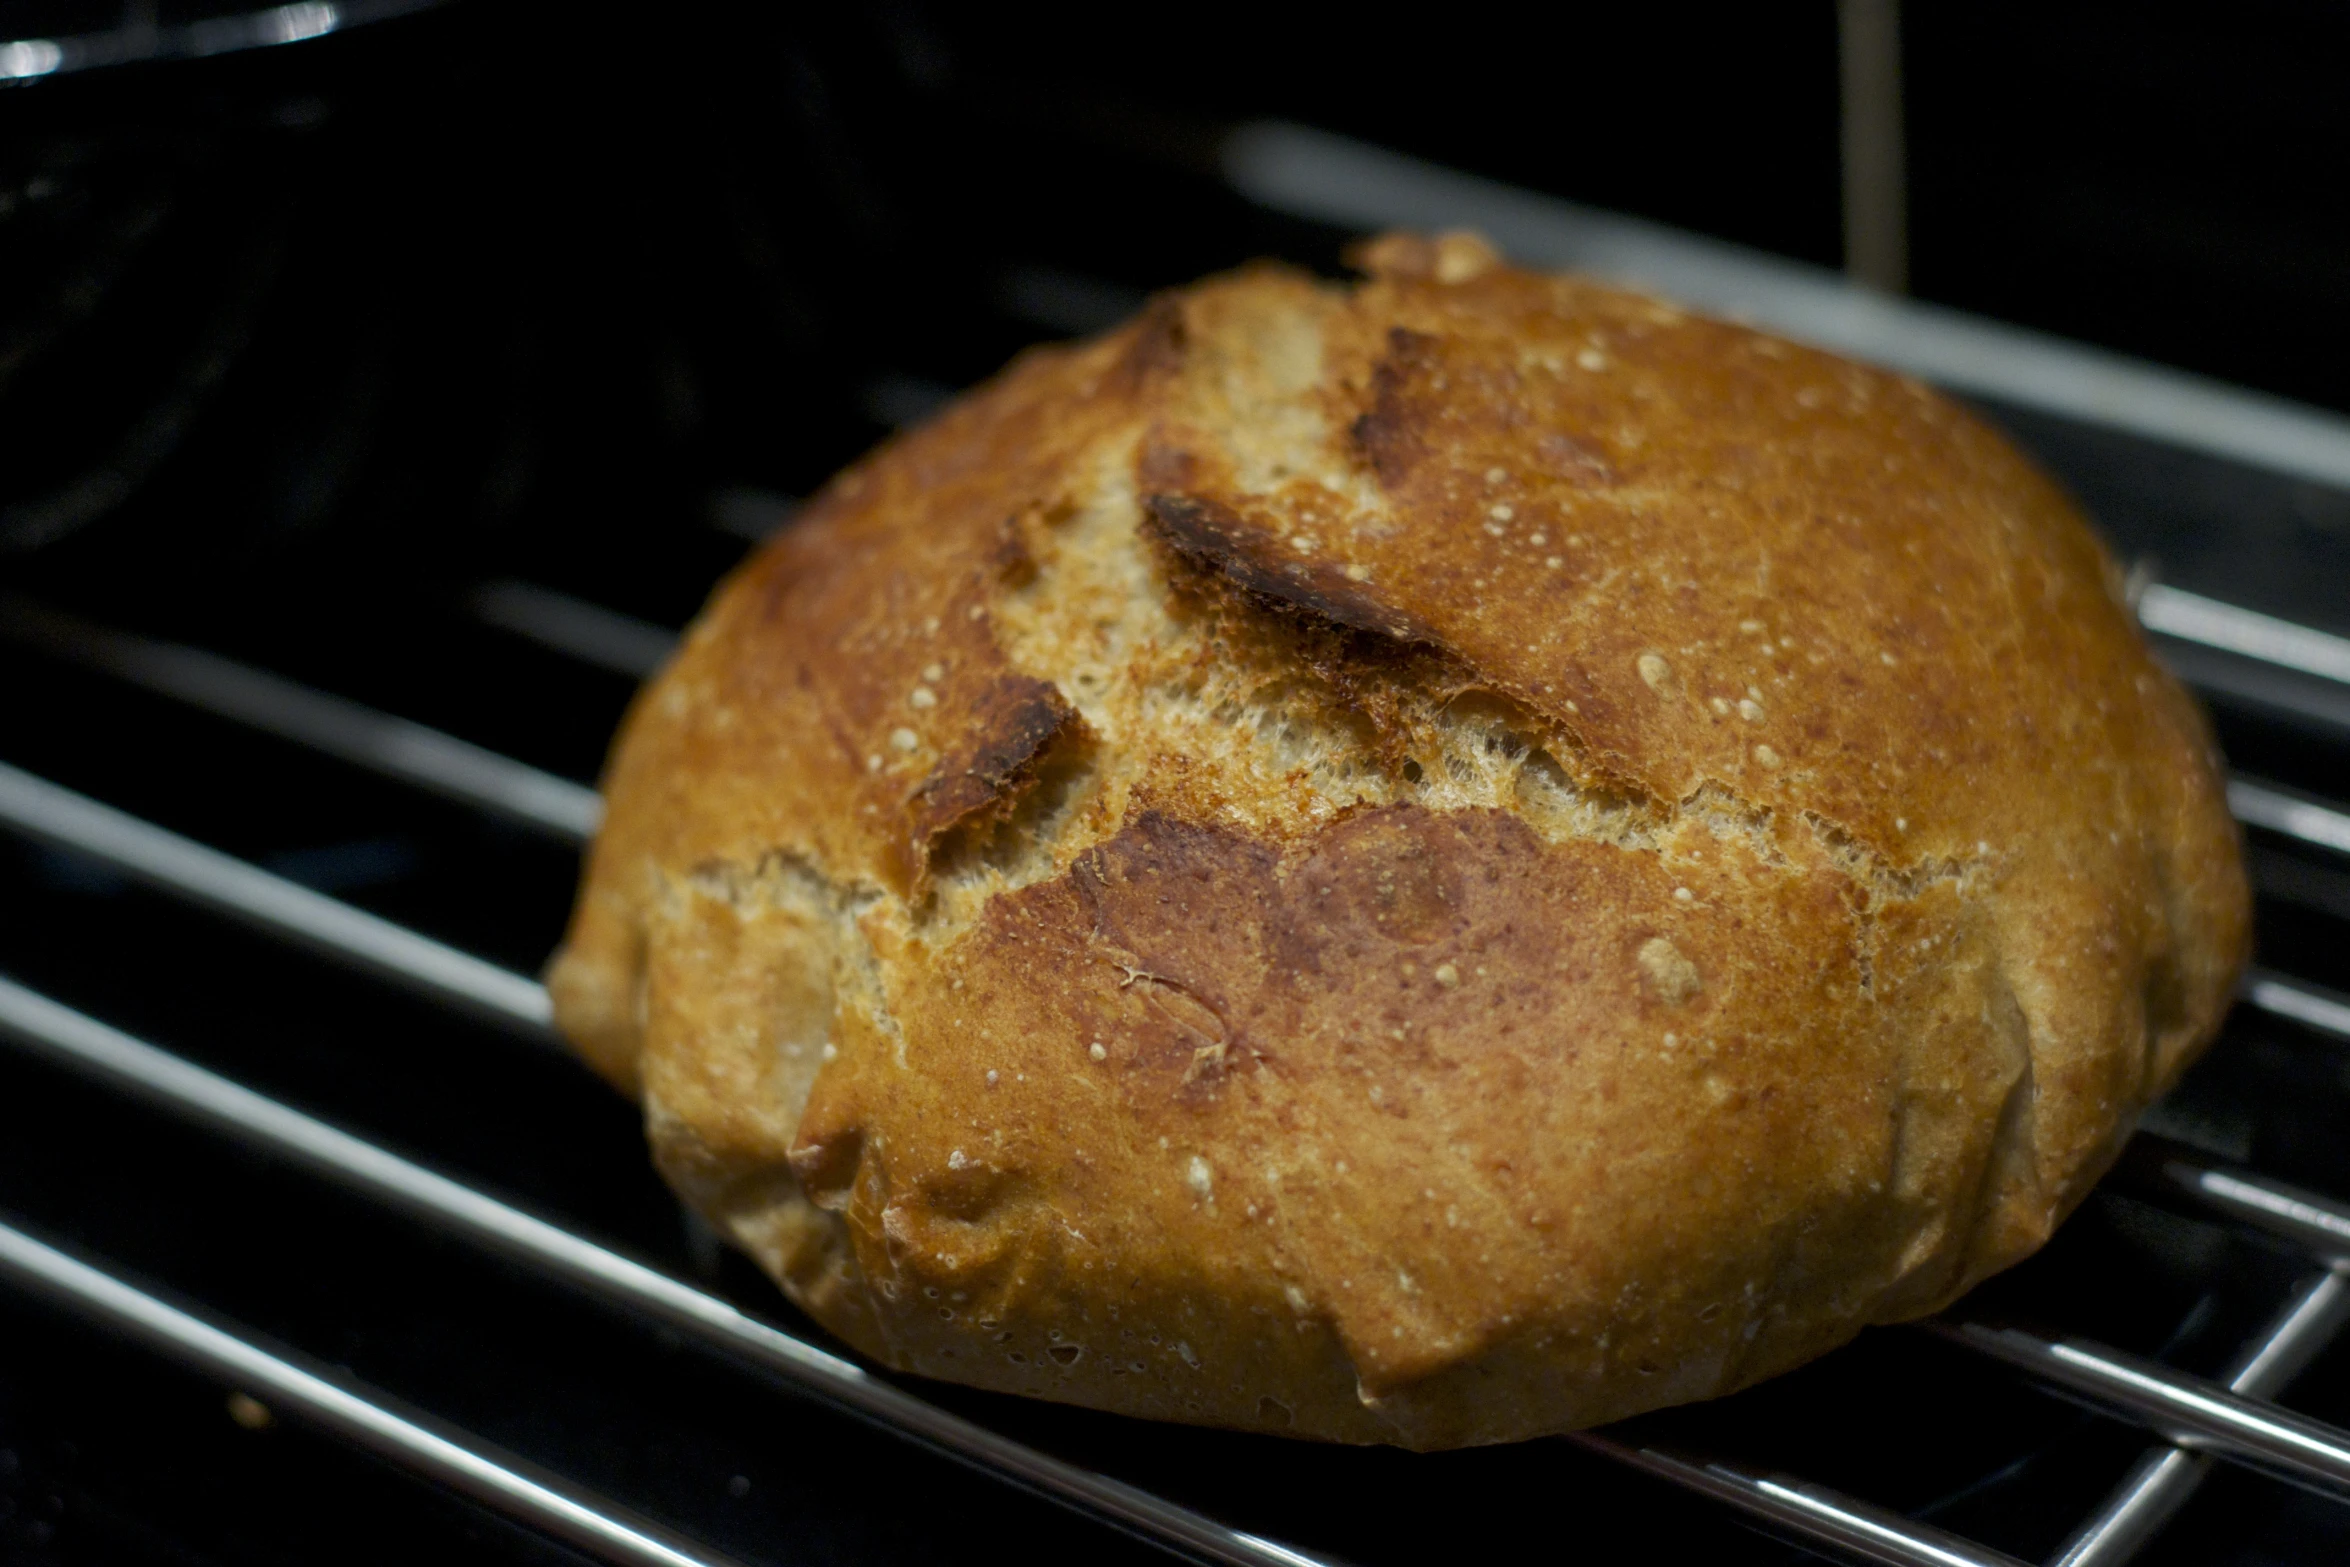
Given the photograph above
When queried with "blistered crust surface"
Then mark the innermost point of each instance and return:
(1421, 863)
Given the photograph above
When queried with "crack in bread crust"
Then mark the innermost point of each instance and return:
(1424, 863)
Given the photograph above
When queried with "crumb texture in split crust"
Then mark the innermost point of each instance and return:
(1422, 862)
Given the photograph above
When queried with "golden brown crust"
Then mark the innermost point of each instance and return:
(1423, 863)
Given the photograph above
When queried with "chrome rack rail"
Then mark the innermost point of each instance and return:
(131, 1066)
(2154, 1491)
(548, 1503)
(395, 747)
(2199, 1420)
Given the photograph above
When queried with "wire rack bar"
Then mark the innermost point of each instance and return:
(137, 38)
(2258, 804)
(283, 908)
(588, 632)
(2319, 1225)
(85, 1045)
(411, 752)
(2304, 1004)
(2190, 617)
(2165, 1478)
(351, 1410)
(1812, 1515)
(2190, 1411)
(2227, 680)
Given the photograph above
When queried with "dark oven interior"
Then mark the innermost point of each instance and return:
(373, 412)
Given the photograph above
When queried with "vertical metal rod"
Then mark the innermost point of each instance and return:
(2166, 1477)
(1876, 204)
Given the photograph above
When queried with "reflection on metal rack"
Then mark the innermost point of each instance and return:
(2166, 1477)
(588, 632)
(1807, 1513)
(396, 747)
(2317, 1224)
(139, 1069)
(2287, 999)
(2263, 805)
(2188, 1410)
(2190, 617)
(545, 1502)
(2231, 1421)
(284, 908)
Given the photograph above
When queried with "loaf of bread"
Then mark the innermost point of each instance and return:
(1424, 862)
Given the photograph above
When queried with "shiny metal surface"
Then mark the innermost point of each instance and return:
(2231, 680)
(2258, 804)
(2303, 1004)
(220, 881)
(84, 1044)
(415, 1442)
(2190, 617)
(378, 741)
(2164, 1480)
(2191, 1411)
(2317, 1224)
(589, 632)
(141, 39)
(1811, 1514)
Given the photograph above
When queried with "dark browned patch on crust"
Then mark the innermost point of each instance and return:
(1215, 539)
(1007, 729)
(1390, 435)
(1163, 884)
(1178, 908)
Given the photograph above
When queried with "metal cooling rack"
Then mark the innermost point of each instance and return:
(2191, 1424)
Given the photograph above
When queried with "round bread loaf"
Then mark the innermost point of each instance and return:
(1427, 862)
